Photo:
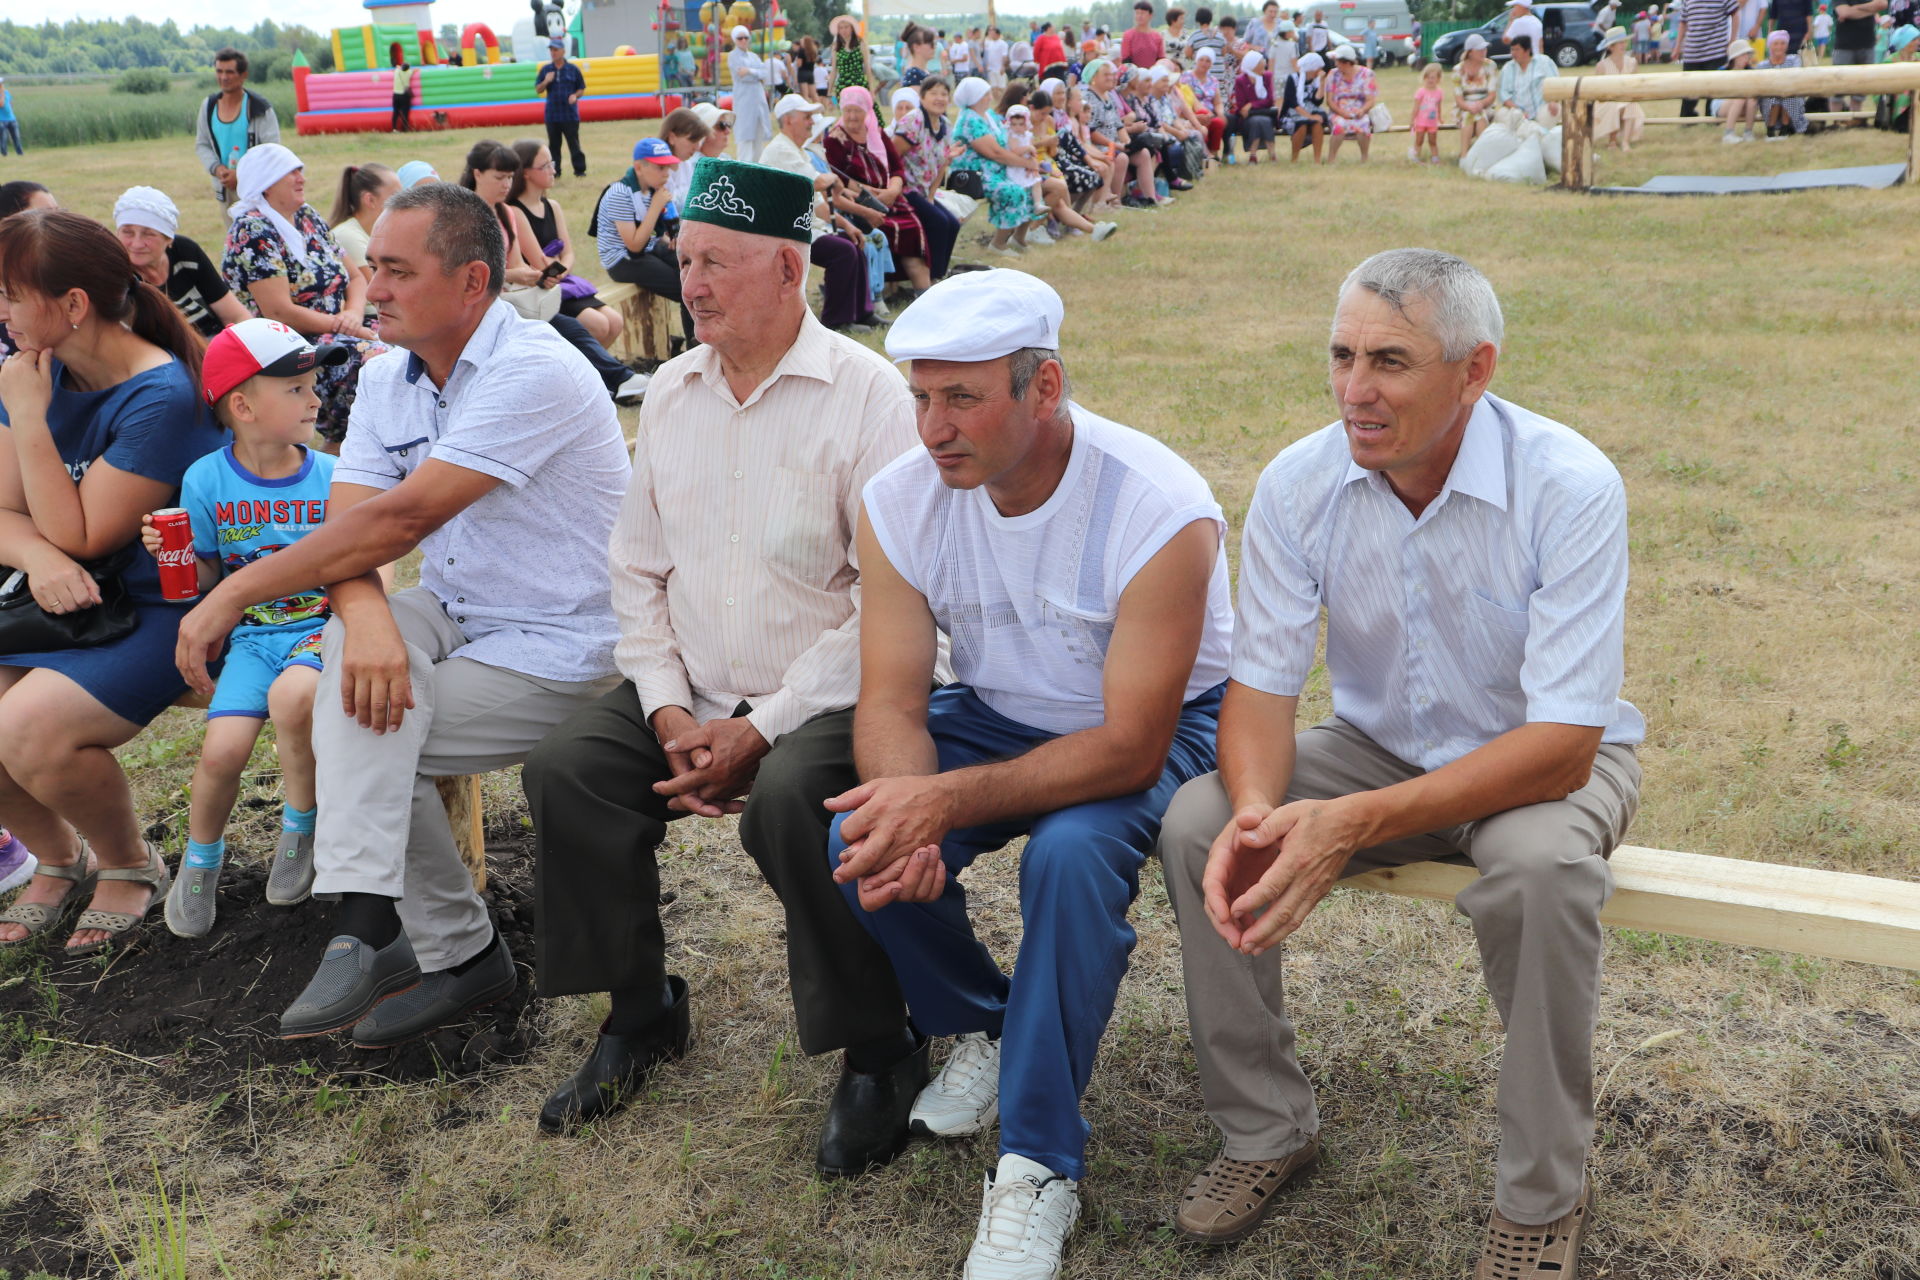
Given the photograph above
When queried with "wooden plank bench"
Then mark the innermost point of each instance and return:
(647, 321)
(1835, 914)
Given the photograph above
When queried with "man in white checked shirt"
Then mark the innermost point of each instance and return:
(1471, 558)
(737, 589)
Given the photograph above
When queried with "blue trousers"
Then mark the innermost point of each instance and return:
(1079, 874)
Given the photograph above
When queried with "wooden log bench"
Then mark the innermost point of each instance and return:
(647, 321)
(1579, 93)
(1834, 914)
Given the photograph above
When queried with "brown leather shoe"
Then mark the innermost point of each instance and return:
(1229, 1198)
(1550, 1251)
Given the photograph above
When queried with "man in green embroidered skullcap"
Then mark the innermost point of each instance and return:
(735, 584)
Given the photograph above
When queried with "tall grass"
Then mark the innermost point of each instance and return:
(78, 115)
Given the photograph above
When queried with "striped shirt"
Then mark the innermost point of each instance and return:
(735, 576)
(620, 203)
(1503, 604)
(1709, 29)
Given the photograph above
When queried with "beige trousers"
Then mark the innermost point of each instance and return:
(382, 827)
(1535, 911)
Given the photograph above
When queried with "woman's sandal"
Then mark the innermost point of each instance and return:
(120, 925)
(40, 917)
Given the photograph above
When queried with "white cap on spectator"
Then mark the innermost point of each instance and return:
(741, 33)
(977, 316)
(1476, 41)
(147, 207)
(791, 103)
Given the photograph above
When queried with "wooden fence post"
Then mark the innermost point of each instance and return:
(1576, 144)
(462, 797)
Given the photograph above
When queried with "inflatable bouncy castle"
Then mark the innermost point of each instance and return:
(473, 87)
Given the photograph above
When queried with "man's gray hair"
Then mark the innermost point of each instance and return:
(1462, 309)
(1026, 362)
(465, 229)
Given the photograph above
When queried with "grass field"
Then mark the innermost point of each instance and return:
(77, 115)
(1747, 364)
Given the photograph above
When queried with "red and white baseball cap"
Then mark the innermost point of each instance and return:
(261, 347)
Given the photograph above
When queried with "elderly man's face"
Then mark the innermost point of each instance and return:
(971, 424)
(1402, 403)
(731, 282)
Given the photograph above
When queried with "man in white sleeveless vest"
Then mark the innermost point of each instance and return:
(1471, 559)
(1076, 567)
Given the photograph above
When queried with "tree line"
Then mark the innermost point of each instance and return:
(83, 46)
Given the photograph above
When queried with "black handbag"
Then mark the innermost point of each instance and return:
(27, 628)
(868, 200)
(967, 182)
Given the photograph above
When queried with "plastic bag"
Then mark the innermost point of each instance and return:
(1550, 142)
(1522, 164)
(1490, 148)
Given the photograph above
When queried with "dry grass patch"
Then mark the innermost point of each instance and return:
(1743, 362)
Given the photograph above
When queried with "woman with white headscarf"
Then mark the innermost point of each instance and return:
(1255, 116)
(918, 137)
(982, 137)
(283, 264)
(1303, 109)
(752, 118)
(148, 224)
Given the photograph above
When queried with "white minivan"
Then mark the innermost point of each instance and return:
(1347, 20)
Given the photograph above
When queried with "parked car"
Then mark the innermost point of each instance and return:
(1347, 20)
(1571, 37)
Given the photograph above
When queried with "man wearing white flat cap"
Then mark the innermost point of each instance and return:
(1525, 23)
(1075, 566)
(846, 303)
(752, 123)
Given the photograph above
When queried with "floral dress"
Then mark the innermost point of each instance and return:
(255, 252)
(1009, 205)
(926, 150)
(853, 161)
(1350, 93)
(1474, 89)
(1081, 177)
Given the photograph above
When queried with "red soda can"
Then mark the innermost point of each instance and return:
(179, 570)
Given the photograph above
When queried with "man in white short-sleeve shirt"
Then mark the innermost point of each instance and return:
(1076, 567)
(489, 446)
(1471, 560)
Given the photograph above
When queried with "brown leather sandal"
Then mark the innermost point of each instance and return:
(40, 917)
(121, 925)
(1229, 1198)
(1550, 1251)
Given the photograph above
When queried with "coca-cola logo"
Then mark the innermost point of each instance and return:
(181, 557)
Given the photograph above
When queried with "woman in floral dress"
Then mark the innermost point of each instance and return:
(857, 152)
(1351, 94)
(283, 264)
(919, 139)
(984, 139)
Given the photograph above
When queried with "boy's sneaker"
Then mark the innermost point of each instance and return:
(190, 905)
(17, 865)
(965, 1097)
(1026, 1213)
(290, 881)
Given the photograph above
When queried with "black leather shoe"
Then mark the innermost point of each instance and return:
(617, 1066)
(867, 1120)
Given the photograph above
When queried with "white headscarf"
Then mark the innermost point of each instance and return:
(260, 168)
(970, 91)
(740, 33)
(1250, 68)
(1311, 63)
(906, 94)
(147, 207)
(1052, 85)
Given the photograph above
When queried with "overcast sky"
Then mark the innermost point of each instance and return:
(324, 15)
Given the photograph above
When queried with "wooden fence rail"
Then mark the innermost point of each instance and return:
(1579, 93)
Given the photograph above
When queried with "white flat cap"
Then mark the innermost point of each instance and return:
(976, 316)
(791, 103)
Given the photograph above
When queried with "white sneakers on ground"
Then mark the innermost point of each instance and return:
(1101, 230)
(1026, 1213)
(965, 1097)
(632, 390)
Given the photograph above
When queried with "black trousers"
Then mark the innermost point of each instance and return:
(1691, 106)
(845, 293)
(402, 121)
(611, 371)
(943, 232)
(597, 824)
(656, 271)
(570, 130)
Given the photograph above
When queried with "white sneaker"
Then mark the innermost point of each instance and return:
(965, 1097)
(1729, 138)
(1026, 1213)
(881, 309)
(1039, 235)
(1101, 230)
(632, 389)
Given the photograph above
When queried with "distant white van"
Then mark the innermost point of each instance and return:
(1347, 20)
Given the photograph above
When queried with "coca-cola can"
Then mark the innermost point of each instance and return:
(179, 570)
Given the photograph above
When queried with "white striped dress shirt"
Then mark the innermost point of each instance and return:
(735, 576)
(1503, 604)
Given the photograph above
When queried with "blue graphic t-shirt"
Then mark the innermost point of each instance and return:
(239, 517)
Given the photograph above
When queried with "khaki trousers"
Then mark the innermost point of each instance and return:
(1535, 911)
(382, 827)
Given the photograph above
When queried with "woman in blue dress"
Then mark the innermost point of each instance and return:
(981, 137)
(102, 415)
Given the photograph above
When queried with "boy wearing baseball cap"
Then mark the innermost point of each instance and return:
(263, 492)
